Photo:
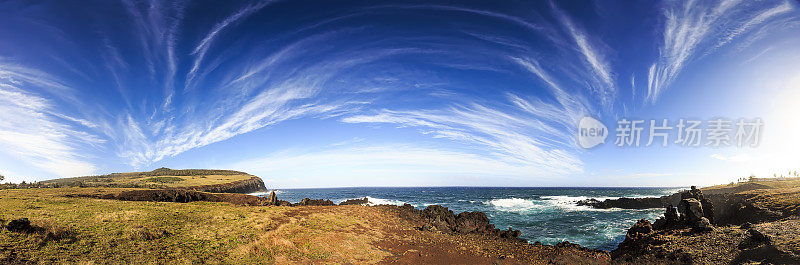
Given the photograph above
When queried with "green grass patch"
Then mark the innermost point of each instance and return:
(163, 179)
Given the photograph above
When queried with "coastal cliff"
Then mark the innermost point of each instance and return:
(254, 184)
(732, 226)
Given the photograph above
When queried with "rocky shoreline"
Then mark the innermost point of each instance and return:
(689, 234)
(625, 203)
(694, 220)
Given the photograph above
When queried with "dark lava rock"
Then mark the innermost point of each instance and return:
(254, 184)
(703, 225)
(758, 236)
(441, 219)
(316, 202)
(472, 222)
(355, 201)
(669, 220)
(177, 195)
(755, 239)
(708, 209)
(22, 225)
(693, 193)
(671, 215)
(272, 199)
(691, 210)
(640, 229)
(624, 203)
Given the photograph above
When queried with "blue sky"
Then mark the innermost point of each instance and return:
(393, 93)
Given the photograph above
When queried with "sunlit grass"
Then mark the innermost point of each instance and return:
(109, 231)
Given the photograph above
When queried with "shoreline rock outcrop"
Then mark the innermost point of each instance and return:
(362, 201)
(315, 202)
(438, 218)
(624, 203)
(254, 184)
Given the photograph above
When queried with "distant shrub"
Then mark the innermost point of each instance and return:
(163, 179)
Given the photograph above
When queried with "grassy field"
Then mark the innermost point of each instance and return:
(761, 183)
(159, 178)
(84, 230)
(80, 230)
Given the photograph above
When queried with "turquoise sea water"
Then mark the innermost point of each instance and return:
(548, 215)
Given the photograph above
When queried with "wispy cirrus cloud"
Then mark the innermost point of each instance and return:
(33, 129)
(601, 69)
(695, 28)
(202, 47)
(512, 137)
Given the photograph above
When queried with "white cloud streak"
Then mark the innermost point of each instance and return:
(514, 139)
(30, 129)
(694, 28)
(202, 47)
(594, 58)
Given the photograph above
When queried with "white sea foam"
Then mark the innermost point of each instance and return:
(513, 204)
(378, 201)
(265, 193)
(570, 203)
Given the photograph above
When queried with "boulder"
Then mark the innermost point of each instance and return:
(671, 215)
(702, 225)
(691, 210)
(669, 220)
(755, 239)
(22, 225)
(640, 229)
(693, 193)
(272, 199)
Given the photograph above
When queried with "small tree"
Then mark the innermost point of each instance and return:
(2, 177)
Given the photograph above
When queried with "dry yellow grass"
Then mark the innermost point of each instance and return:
(108, 231)
(159, 178)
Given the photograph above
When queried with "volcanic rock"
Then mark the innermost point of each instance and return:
(641, 228)
(624, 203)
(363, 201)
(22, 225)
(691, 210)
(702, 225)
(441, 219)
(272, 199)
(316, 202)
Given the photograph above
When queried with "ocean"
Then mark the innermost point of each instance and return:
(547, 215)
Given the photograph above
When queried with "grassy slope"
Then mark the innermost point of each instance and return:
(146, 232)
(770, 183)
(162, 177)
(110, 231)
(774, 193)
